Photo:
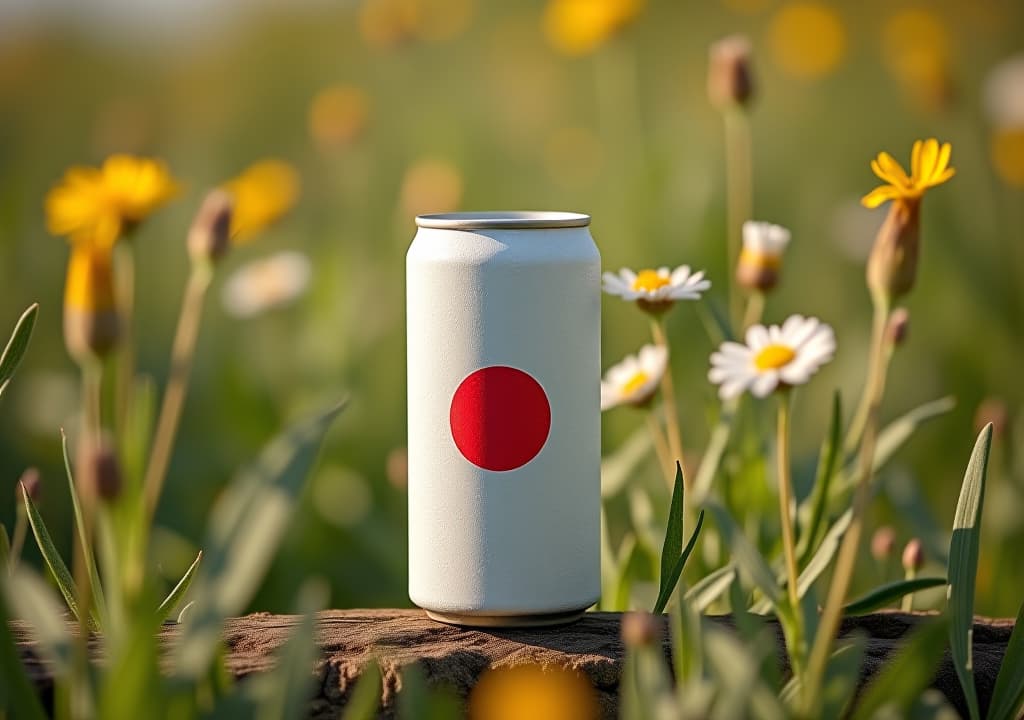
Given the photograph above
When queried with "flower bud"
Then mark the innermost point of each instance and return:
(32, 483)
(760, 259)
(913, 556)
(892, 265)
(91, 323)
(98, 472)
(397, 468)
(898, 328)
(730, 79)
(209, 237)
(639, 629)
(883, 542)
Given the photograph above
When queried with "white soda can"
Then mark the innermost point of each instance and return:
(504, 323)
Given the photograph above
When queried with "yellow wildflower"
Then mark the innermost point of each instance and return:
(892, 265)
(91, 323)
(929, 167)
(807, 39)
(102, 204)
(577, 27)
(337, 116)
(529, 691)
(263, 193)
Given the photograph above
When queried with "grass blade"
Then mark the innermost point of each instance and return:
(365, 698)
(90, 558)
(618, 467)
(963, 566)
(178, 592)
(51, 556)
(245, 528)
(827, 460)
(32, 600)
(906, 675)
(889, 593)
(17, 345)
(746, 556)
(677, 569)
(673, 544)
(710, 587)
(1008, 694)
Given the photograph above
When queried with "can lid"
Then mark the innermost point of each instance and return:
(511, 219)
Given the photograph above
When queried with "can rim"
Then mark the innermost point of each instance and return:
(508, 219)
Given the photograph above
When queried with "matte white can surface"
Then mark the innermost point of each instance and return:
(504, 417)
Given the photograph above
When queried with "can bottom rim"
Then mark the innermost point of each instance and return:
(564, 617)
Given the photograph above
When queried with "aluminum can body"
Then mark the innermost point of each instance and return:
(503, 314)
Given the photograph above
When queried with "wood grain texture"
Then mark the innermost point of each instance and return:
(457, 656)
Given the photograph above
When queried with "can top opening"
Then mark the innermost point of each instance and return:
(514, 220)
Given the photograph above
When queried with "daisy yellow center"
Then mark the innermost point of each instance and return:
(650, 281)
(773, 357)
(635, 382)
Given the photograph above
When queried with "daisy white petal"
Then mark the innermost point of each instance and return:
(635, 380)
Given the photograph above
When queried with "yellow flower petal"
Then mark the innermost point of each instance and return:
(263, 193)
(879, 195)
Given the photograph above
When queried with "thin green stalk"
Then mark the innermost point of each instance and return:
(660, 444)
(848, 551)
(668, 395)
(739, 194)
(876, 371)
(754, 311)
(125, 381)
(786, 501)
(18, 539)
(908, 600)
(182, 356)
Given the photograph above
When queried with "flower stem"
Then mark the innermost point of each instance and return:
(754, 311)
(739, 181)
(125, 290)
(847, 559)
(660, 445)
(786, 501)
(18, 538)
(908, 600)
(876, 375)
(182, 355)
(668, 393)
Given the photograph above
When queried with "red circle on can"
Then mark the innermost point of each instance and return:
(500, 418)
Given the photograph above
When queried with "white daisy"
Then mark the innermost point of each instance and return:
(772, 356)
(761, 256)
(656, 290)
(634, 381)
(263, 284)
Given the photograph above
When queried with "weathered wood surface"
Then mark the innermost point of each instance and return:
(457, 656)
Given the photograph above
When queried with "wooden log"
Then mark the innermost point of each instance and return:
(457, 656)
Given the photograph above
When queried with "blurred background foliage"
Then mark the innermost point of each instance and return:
(393, 107)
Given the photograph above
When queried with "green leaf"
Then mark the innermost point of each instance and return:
(889, 593)
(17, 694)
(418, 701)
(827, 460)
(963, 566)
(893, 437)
(1008, 695)
(687, 656)
(714, 452)
(90, 559)
(138, 431)
(17, 345)
(5, 548)
(51, 556)
(737, 671)
(245, 527)
(677, 569)
(841, 677)
(746, 556)
(178, 592)
(710, 587)
(673, 544)
(365, 699)
(902, 680)
(32, 600)
(289, 688)
(630, 554)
